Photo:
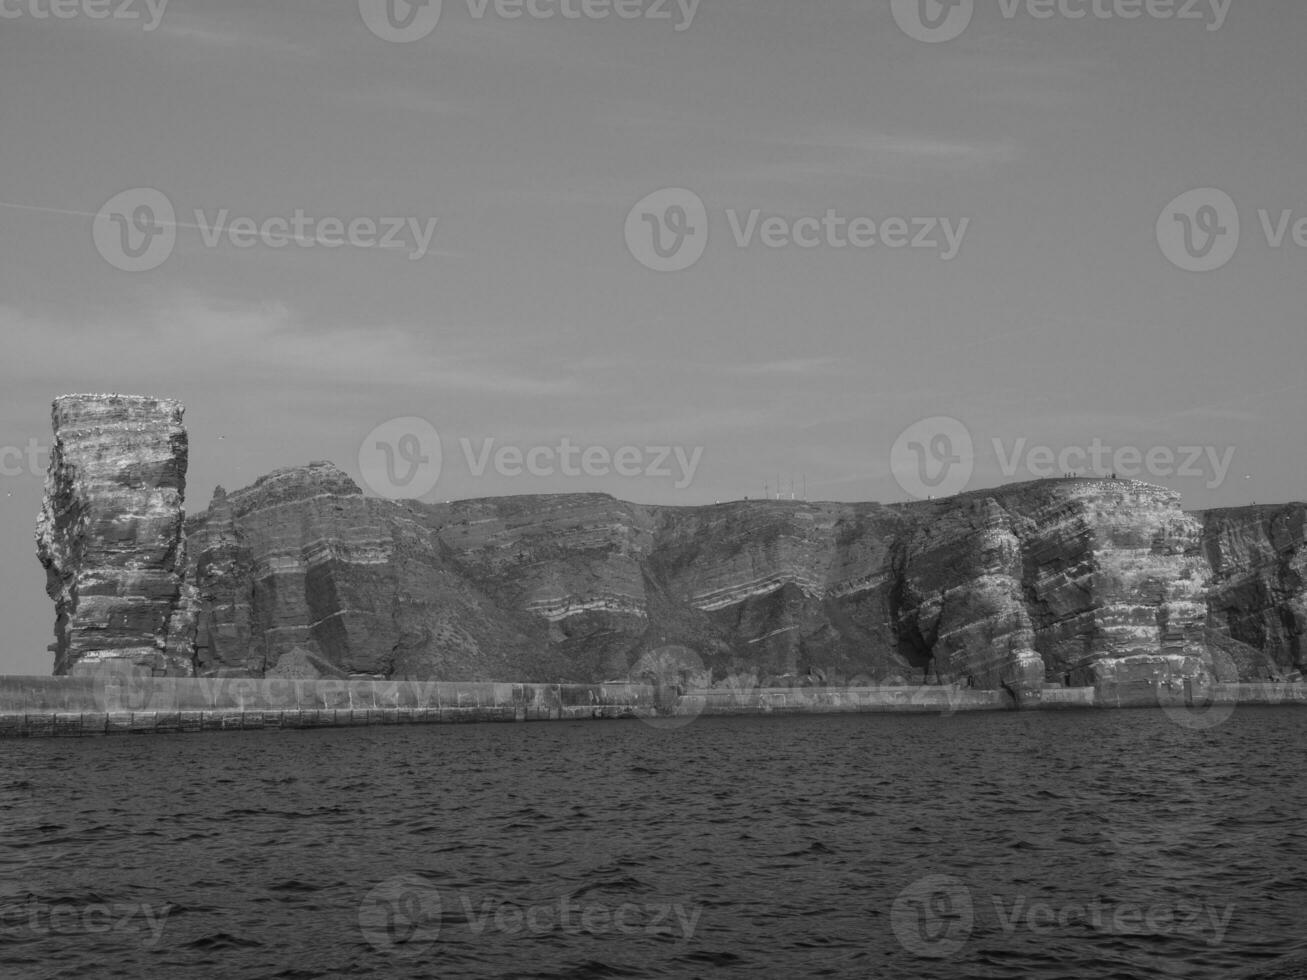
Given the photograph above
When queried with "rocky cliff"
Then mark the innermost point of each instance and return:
(110, 533)
(1072, 582)
(1065, 581)
(1257, 593)
(302, 565)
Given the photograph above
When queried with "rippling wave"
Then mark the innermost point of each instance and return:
(1112, 844)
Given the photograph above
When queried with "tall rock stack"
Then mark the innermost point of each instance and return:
(111, 533)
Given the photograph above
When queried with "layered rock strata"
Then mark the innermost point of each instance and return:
(1058, 582)
(302, 563)
(1073, 582)
(110, 533)
(1257, 593)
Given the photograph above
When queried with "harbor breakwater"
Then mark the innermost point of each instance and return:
(123, 703)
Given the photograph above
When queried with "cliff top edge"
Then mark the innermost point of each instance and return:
(116, 398)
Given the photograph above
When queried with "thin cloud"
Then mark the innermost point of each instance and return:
(14, 205)
(396, 99)
(699, 427)
(226, 40)
(834, 153)
(794, 367)
(916, 149)
(272, 342)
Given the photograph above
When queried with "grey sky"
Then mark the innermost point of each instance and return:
(528, 320)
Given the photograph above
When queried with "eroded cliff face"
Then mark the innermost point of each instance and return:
(1075, 581)
(1257, 600)
(1062, 581)
(1071, 581)
(781, 592)
(110, 533)
(301, 568)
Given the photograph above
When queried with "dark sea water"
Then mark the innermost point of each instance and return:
(1094, 844)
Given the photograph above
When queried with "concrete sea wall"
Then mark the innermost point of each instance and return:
(121, 702)
(114, 703)
(1190, 694)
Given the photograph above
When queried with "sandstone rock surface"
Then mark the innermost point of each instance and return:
(1257, 594)
(1066, 582)
(302, 560)
(110, 533)
(1071, 582)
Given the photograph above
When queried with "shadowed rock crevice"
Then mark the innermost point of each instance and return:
(1257, 601)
